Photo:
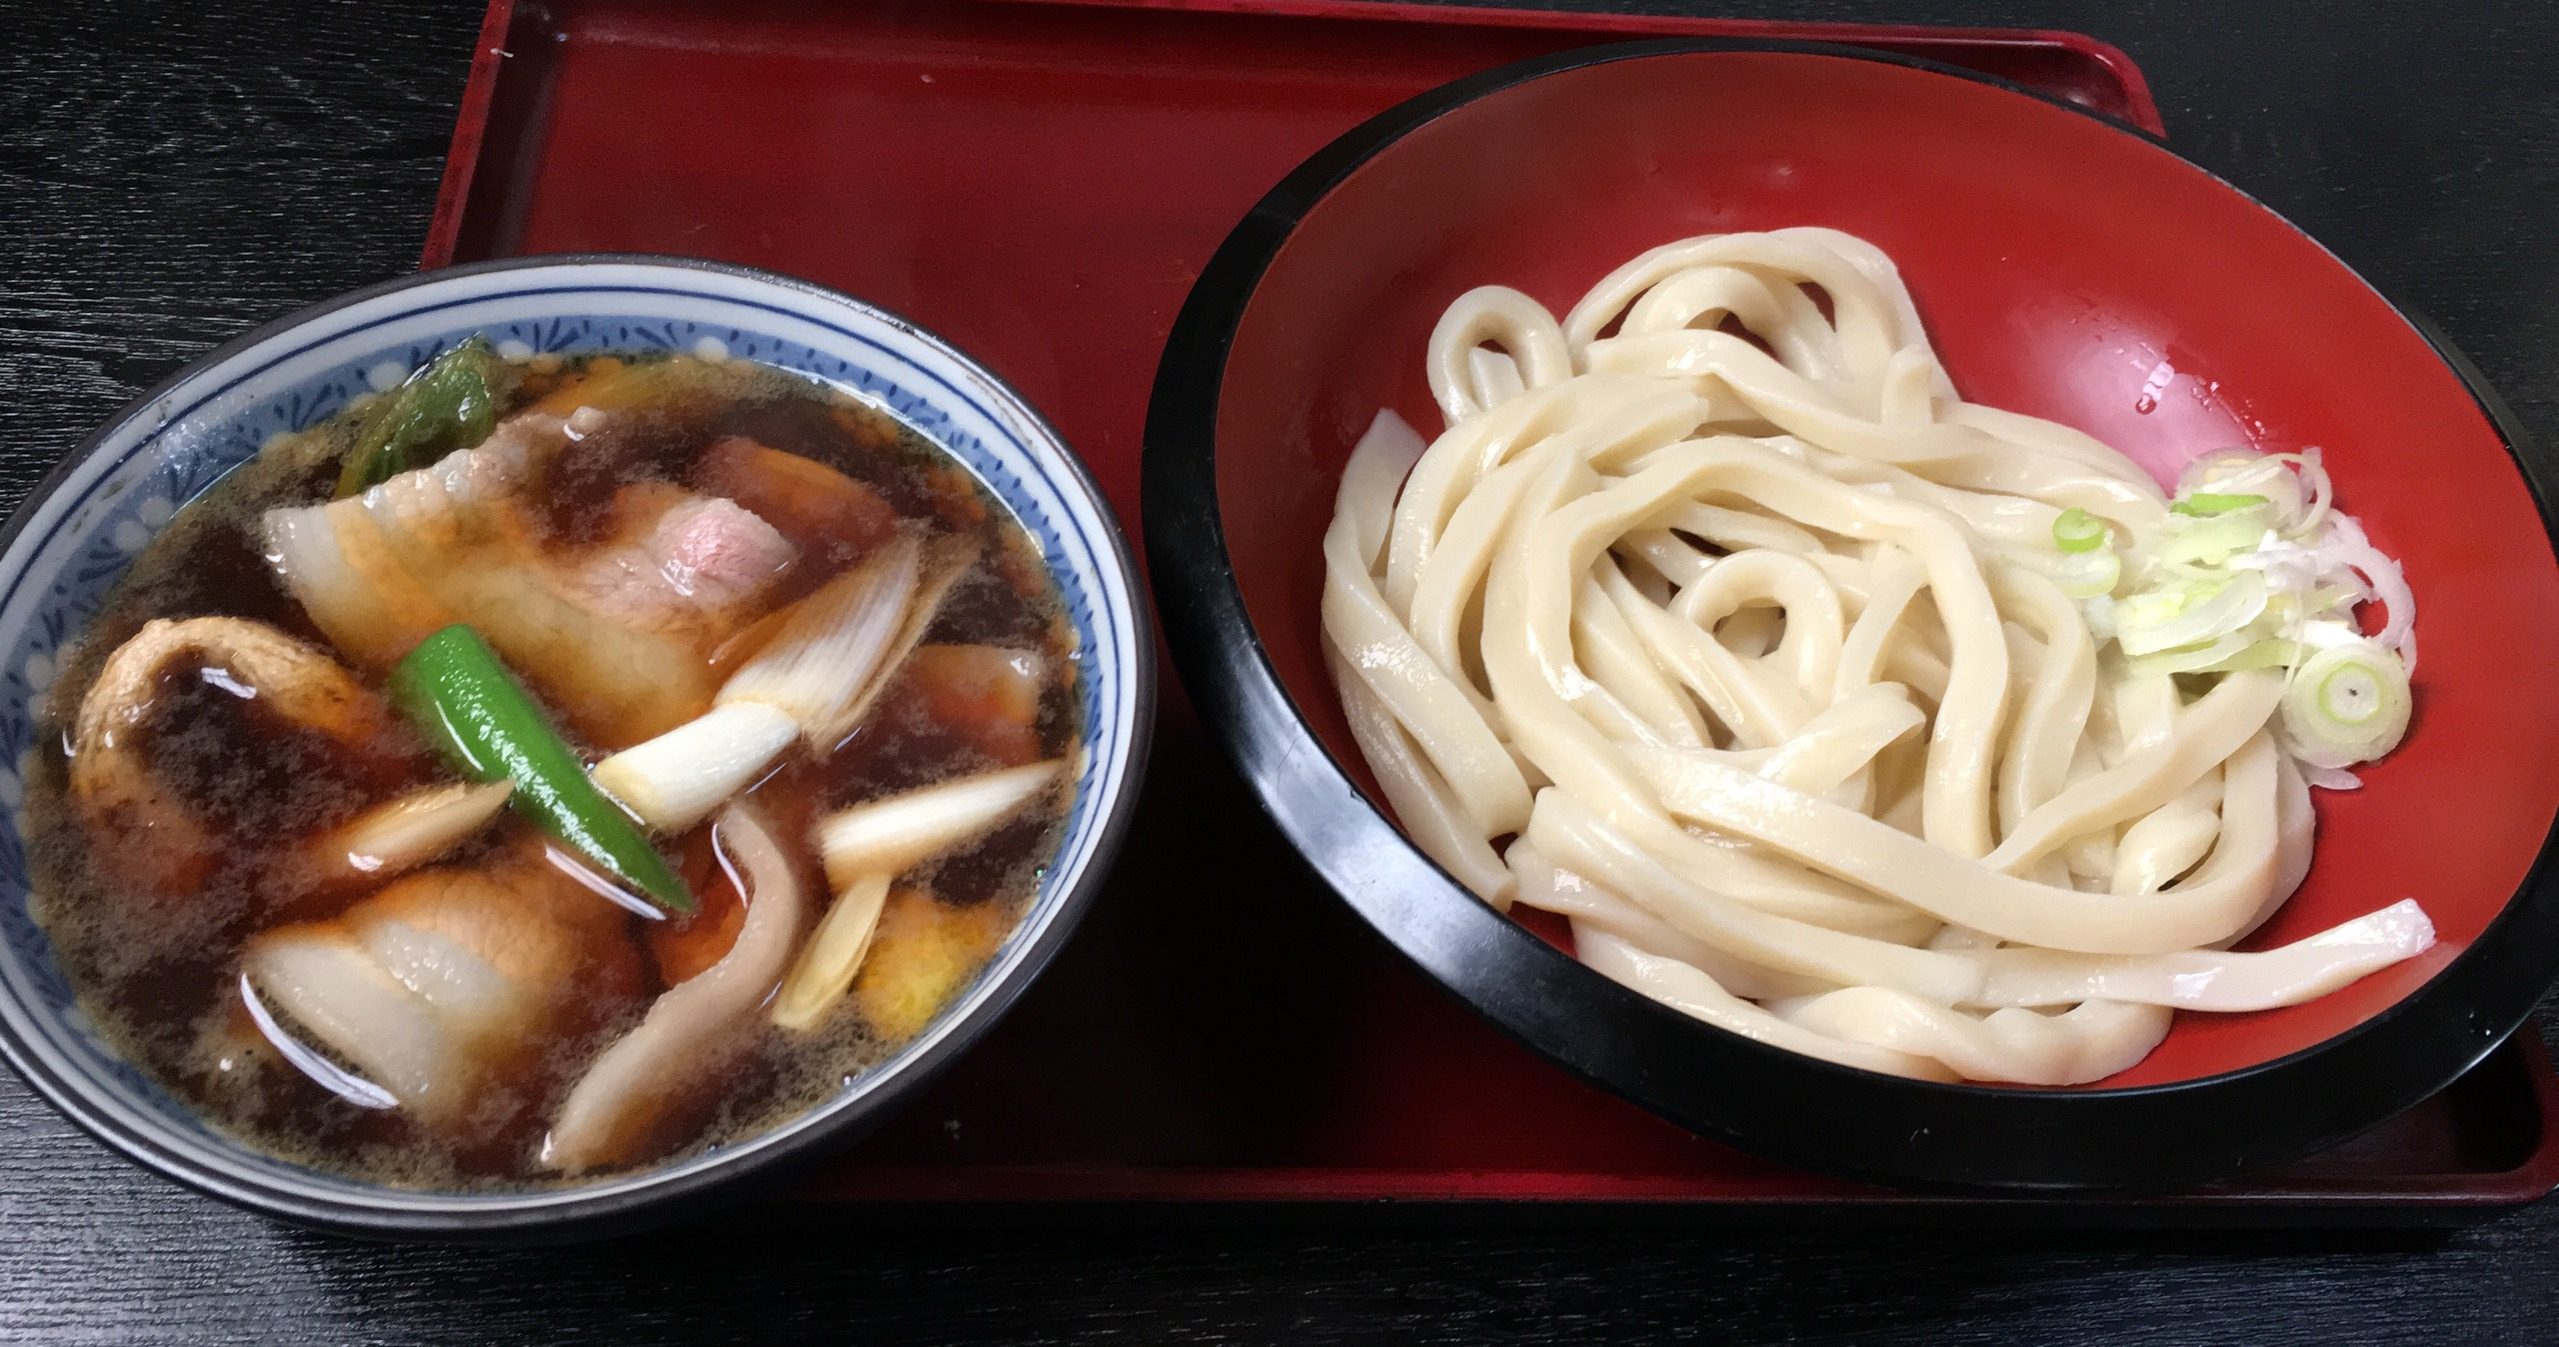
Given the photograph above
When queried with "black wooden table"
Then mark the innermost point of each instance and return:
(170, 175)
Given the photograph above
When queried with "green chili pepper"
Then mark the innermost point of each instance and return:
(467, 704)
(450, 404)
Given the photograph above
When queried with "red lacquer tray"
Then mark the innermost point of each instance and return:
(1040, 182)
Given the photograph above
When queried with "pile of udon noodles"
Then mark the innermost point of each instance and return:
(1732, 649)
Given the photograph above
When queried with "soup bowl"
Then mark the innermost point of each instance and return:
(74, 536)
(2067, 267)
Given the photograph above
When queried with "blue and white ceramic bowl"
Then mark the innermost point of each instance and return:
(73, 537)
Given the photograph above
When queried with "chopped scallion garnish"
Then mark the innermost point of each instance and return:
(2204, 504)
(2079, 531)
(2348, 703)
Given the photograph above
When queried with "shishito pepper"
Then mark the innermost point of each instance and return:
(464, 701)
(450, 404)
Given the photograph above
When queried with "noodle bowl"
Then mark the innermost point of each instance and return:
(1717, 622)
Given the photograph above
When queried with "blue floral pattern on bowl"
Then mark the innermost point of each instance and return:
(72, 541)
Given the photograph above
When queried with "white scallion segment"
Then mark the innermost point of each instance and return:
(410, 831)
(815, 679)
(2347, 704)
(893, 835)
(834, 954)
(2232, 469)
(676, 780)
(942, 567)
(833, 646)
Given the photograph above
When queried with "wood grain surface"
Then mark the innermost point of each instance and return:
(173, 174)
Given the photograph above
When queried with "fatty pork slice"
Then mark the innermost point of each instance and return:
(615, 633)
(454, 989)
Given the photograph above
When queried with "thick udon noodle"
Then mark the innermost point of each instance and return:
(1712, 623)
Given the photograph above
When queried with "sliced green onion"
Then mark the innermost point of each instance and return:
(2349, 689)
(2223, 469)
(450, 404)
(464, 701)
(2328, 599)
(2089, 575)
(2078, 531)
(2227, 654)
(2271, 653)
(2162, 603)
(2253, 569)
(2319, 633)
(2206, 503)
(2213, 539)
(2310, 481)
(2190, 614)
(2347, 704)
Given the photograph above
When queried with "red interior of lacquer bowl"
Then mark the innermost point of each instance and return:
(2065, 269)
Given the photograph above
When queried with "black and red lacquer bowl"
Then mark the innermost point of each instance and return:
(2068, 267)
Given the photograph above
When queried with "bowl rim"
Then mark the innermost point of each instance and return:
(632, 1202)
(1799, 1110)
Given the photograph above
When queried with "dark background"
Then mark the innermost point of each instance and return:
(171, 175)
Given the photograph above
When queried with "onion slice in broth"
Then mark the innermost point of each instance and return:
(617, 1112)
